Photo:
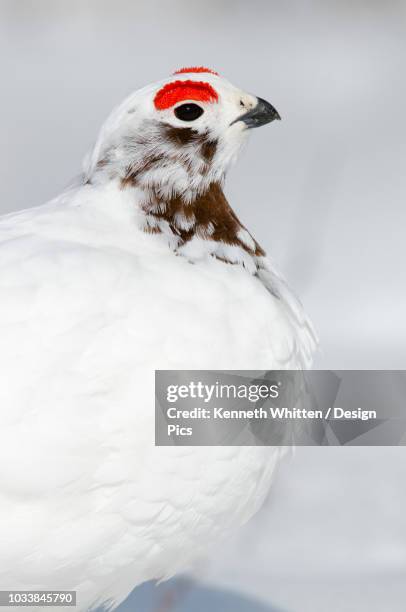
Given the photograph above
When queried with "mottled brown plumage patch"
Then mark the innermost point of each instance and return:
(214, 219)
(129, 180)
(132, 174)
(179, 138)
(208, 216)
(188, 136)
(208, 150)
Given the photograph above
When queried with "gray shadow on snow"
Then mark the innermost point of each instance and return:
(183, 595)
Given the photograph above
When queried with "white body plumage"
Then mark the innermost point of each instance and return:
(90, 306)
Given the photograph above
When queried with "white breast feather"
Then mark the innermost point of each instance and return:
(89, 308)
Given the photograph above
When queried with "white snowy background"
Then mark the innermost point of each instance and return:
(329, 206)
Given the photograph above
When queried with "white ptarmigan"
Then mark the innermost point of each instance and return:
(142, 265)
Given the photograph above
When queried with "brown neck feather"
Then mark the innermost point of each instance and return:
(209, 216)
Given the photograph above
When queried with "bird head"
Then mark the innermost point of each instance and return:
(177, 136)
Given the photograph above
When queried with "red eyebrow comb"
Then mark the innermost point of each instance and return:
(195, 69)
(176, 91)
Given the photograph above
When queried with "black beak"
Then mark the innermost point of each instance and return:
(261, 114)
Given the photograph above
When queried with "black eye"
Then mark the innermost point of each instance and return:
(188, 112)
